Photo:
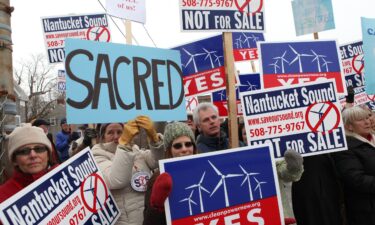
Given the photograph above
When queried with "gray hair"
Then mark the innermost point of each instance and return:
(203, 107)
(349, 115)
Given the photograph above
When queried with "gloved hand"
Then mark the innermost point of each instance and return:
(88, 135)
(289, 221)
(293, 160)
(160, 191)
(73, 136)
(129, 131)
(350, 96)
(146, 123)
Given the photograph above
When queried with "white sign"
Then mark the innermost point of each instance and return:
(134, 10)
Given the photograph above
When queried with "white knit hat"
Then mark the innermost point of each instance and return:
(25, 135)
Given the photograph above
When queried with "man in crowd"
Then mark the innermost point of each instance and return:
(64, 139)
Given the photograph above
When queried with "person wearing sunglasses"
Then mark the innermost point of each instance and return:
(179, 141)
(29, 150)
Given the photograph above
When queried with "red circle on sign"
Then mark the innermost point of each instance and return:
(87, 204)
(247, 2)
(358, 71)
(371, 98)
(321, 120)
(97, 36)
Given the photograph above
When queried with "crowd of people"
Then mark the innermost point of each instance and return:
(327, 189)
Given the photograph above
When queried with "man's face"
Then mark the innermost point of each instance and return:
(65, 127)
(209, 123)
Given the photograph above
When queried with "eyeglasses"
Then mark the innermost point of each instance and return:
(179, 145)
(26, 151)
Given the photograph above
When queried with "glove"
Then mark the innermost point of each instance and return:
(160, 191)
(129, 131)
(146, 123)
(293, 160)
(88, 135)
(289, 221)
(350, 96)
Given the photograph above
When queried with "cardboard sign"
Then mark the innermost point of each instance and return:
(368, 37)
(203, 66)
(312, 16)
(245, 45)
(248, 82)
(236, 186)
(305, 118)
(134, 10)
(114, 83)
(56, 29)
(223, 16)
(72, 193)
(353, 66)
(283, 64)
(360, 97)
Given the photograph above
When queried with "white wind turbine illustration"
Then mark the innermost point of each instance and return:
(275, 66)
(246, 40)
(200, 189)
(259, 183)
(222, 95)
(298, 57)
(239, 42)
(209, 55)
(189, 202)
(282, 60)
(255, 38)
(250, 86)
(247, 178)
(320, 114)
(192, 59)
(217, 59)
(325, 63)
(316, 58)
(222, 182)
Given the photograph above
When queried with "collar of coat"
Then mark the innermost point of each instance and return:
(362, 139)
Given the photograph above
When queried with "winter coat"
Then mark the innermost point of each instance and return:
(356, 168)
(62, 145)
(209, 144)
(316, 196)
(151, 215)
(120, 166)
(19, 181)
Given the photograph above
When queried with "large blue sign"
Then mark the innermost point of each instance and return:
(368, 35)
(108, 82)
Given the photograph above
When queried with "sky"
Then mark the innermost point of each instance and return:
(163, 23)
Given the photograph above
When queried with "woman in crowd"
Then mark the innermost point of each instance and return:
(179, 140)
(356, 167)
(127, 168)
(29, 150)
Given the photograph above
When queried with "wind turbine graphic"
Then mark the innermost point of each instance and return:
(222, 95)
(189, 202)
(250, 86)
(209, 53)
(239, 42)
(192, 59)
(320, 113)
(217, 59)
(247, 178)
(222, 182)
(247, 40)
(325, 63)
(282, 60)
(200, 188)
(255, 38)
(259, 183)
(298, 57)
(275, 66)
(316, 58)
(96, 34)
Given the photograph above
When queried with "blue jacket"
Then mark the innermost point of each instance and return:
(62, 145)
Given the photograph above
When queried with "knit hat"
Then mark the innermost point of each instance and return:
(25, 135)
(175, 130)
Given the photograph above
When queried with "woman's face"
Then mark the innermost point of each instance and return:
(182, 146)
(243, 133)
(372, 119)
(31, 158)
(361, 127)
(112, 133)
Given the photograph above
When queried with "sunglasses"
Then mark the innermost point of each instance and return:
(27, 150)
(179, 145)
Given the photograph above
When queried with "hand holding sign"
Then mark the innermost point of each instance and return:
(129, 131)
(146, 123)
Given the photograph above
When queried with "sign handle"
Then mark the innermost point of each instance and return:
(316, 35)
(231, 94)
(128, 30)
(253, 66)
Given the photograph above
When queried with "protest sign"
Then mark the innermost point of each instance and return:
(223, 16)
(360, 97)
(203, 66)
(352, 59)
(245, 45)
(61, 81)
(134, 10)
(236, 186)
(304, 117)
(57, 28)
(114, 83)
(248, 82)
(72, 193)
(312, 16)
(368, 37)
(286, 63)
